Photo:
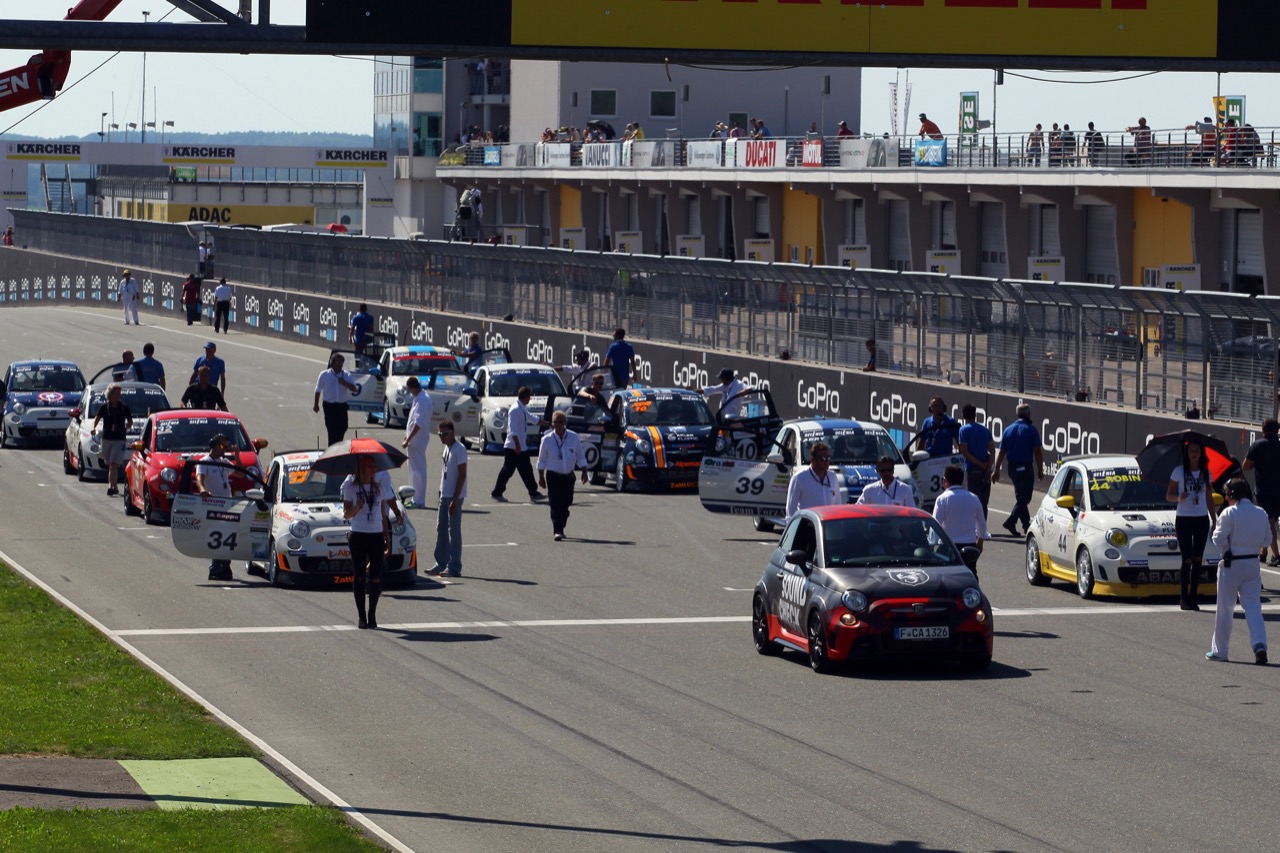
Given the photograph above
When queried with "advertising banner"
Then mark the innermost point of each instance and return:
(1046, 268)
(1229, 108)
(601, 155)
(868, 153)
(554, 155)
(573, 238)
(704, 155)
(758, 250)
(691, 246)
(659, 154)
(968, 119)
(492, 155)
(945, 261)
(812, 153)
(1180, 277)
(931, 152)
(855, 256)
(757, 153)
(519, 156)
(628, 242)
(515, 235)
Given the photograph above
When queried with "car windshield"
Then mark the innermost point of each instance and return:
(302, 485)
(46, 377)
(141, 402)
(887, 541)
(541, 384)
(1119, 489)
(419, 365)
(852, 446)
(191, 435)
(669, 410)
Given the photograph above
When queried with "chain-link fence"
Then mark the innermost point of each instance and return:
(1142, 348)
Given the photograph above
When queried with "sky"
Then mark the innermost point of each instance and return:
(223, 92)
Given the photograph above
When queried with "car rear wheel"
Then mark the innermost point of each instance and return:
(129, 508)
(1084, 574)
(763, 525)
(148, 511)
(620, 475)
(818, 645)
(1035, 577)
(760, 627)
(66, 462)
(273, 563)
(386, 413)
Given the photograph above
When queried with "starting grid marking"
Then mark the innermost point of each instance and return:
(592, 623)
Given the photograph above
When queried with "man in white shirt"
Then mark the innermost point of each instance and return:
(453, 492)
(127, 292)
(515, 452)
(959, 511)
(581, 363)
(334, 387)
(813, 485)
(221, 306)
(889, 490)
(125, 370)
(559, 455)
(417, 435)
(730, 386)
(214, 480)
(1242, 532)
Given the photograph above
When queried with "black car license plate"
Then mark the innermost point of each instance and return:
(923, 632)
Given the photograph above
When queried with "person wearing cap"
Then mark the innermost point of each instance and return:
(334, 386)
(843, 130)
(213, 479)
(728, 389)
(128, 293)
(217, 367)
(1241, 533)
(203, 394)
(221, 306)
(929, 128)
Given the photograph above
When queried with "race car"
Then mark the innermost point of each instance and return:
(437, 371)
(857, 583)
(757, 486)
(170, 438)
(661, 434)
(308, 543)
(82, 446)
(38, 398)
(494, 387)
(1109, 531)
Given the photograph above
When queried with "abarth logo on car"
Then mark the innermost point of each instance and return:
(910, 577)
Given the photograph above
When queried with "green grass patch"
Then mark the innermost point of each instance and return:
(241, 831)
(67, 690)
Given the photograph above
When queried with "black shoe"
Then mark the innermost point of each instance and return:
(497, 497)
(1011, 526)
(112, 491)
(362, 622)
(1260, 655)
(1274, 561)
(373, 623)
(537, 496)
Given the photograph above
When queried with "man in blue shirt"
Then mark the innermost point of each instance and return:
(619, 358)
(361, 323)
(977, 447)
(148, 368)
(217, 367)
(939, 432)
(1020, 444)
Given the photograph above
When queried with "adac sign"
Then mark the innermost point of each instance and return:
(241, 214)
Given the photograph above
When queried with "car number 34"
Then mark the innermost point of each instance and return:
(218, 540)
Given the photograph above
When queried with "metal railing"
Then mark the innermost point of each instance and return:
(1140, 348)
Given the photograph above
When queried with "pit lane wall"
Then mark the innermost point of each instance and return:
(30, 278)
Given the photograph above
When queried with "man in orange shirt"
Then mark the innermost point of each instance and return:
(928, 128)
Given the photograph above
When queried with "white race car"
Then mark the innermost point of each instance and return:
(1110, 532)
(82, 446)
(309, 535)
(495, 387)
(441, 377)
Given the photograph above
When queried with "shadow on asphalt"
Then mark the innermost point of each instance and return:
(1028, 635)
(916, 670)
(440, 636)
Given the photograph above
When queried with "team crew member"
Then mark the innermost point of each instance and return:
(870, 366)
(729, 387)
(977, 446)
(364, 504)
(1020, 444)
(116, 419)
(217, 367)
(1191, 488)
(471, 353)
(814, 485)
(213, 479)
(960, 512)
(515, 453)
(581, 364)
(128, 292)
(1263, 459)
(620, 357)
(1243, 531)
(453, 491)
(125, 371)
(417, 435)
(221, 306)
(334, 387)
(939, 432)
(888, 490)
(191, 298)
(361, 324)
(148, 368)
(203, 394)
(558, 456)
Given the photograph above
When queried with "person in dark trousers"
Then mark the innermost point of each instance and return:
(1020, 445)
(334, 386)
(191, 298)
(978, 447)
(364, 504)
(149, 368)
(116, 419)
(515, 450)
(559, 455)
(361, 326)
(620, 358)
(1263, 459)
(213, 479)
(221, 306)
(1191, 488)
(203, 394)
(871, 356)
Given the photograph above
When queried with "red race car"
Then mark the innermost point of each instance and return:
(168, 439)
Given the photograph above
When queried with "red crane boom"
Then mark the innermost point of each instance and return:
(43, 75)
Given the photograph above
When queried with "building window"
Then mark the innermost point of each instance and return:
(427, 134)
(604, 102)
(662, 104)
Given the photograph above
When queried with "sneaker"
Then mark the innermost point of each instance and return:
(537, 496)
(453, 574)
(412, 504)
(1260, 654)
(1274, 561)
(1211, 656)
(559, 537)
(435, 573)
(112, 491)
(362, 623)
(497, 497)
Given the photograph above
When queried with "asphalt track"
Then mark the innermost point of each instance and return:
(603, 693)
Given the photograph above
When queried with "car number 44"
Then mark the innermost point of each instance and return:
(924, 632)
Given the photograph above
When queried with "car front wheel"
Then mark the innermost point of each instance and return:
(763, 525)
(1084, 574)
(148, 511)
(818, 645)
(273, 564)
(386, 413)
(620, 475)
(129, 508)
(760, 627)
(66, 462)
(1035, 577)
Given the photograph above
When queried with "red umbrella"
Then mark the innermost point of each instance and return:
(1163, 453)
(337, 228)
(344, 457)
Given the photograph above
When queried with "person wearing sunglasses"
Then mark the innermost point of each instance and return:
(888, 490)
(814, 484)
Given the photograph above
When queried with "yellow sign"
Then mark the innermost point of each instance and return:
(1136, 28)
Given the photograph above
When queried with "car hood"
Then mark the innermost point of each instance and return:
(1135, 521)
(50, 399)
(905, 581)
(314, 512)
(675, 433)
(168, 459)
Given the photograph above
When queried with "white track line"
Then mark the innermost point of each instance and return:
(297, 771)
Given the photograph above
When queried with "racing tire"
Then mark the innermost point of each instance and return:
(818, 659)
(4, 439)
(386, 413)
(762, 524)
(620, 475)
(129, 508)
(148, 511)
(598, 478)
(1084, 574)
(82, 474)
(760, 627)
(273, 563)
(66, 462)
(1035, 577)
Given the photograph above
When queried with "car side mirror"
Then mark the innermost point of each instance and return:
(375, 372)
(775, 458)
(1066, 502)
(259, 443)
(74, 413)
(919, 456)
(799, 557)
(406, 493)
(255, 494)
(970, 556)
(138, 445)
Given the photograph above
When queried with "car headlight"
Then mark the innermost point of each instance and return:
(19, 409)
(300, 529)
(643, 445)
(499, 419)
(405, 541)
(854, 601)
(168, 475)
(972, 598)
(397, 527)
(1117, 537)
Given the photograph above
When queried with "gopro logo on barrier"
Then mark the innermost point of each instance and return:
(390, 326)
(496, 340)
(275, 308)
(893, 409)
(818, 396)
(328, 316)
(1069, 439)
(753, 380)
(251, 304)
(688, 375)
(455, 337)
(540, 351)
(301, 312)
(421, 331)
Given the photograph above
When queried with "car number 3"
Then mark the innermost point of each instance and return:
(217, 540)
(746, 484)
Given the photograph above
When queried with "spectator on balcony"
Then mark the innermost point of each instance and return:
(1068, 145)
(760, 130)
(503, 135)
(1035, 146)
(1055, 147)
(842, 130)
(719, 131)
(1143, 144)
(1095, 146)
(738, 131)
(929, 128)
(1207, 150)
(549, 135)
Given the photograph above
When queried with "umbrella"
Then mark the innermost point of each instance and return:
(344, 457)
(1163, 453)
(336, 228)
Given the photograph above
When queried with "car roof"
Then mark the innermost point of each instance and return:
(511, 366)
(419, 349)
(1102, 460)
(641, 393)
(296, 456)
(840, 511)
(181, 414)
(28, 362)
(833, 423)
(123, 383)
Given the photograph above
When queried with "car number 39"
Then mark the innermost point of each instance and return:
(217, 540)
(747, 484)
